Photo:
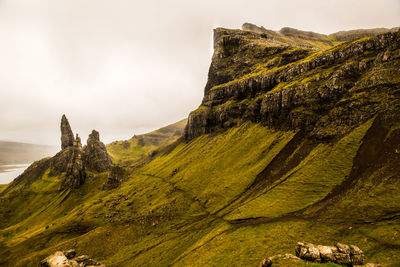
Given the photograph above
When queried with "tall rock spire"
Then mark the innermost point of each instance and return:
(67, 137)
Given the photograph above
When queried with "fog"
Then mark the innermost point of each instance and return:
(126, 67)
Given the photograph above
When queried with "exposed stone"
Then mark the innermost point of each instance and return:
(70, 253)
(328, 99)
(75, 170)
(95, 156)
(327, 253)
(340, 254)
(270, 260)
(67, 137)
(114, 178)
(308, 252)
(372, 265)
(68, 259)
(73, 160)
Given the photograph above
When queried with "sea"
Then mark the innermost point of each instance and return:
(10, 172)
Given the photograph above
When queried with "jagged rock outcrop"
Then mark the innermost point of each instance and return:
(69, 259)
(75, 170)
(95, 156)
(73, 161)
(67, 137)
(289, 87)
(114, 178)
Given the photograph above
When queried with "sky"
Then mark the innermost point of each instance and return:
(126, 67)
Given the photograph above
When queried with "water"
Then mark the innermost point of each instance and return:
(10, 172)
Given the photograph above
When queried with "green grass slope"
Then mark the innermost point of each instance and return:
(199, 205)
(130, 151)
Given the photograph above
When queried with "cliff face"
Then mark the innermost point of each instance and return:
(276, 80)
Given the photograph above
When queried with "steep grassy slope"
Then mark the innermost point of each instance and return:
(305, 148)
(130, 151)
(196, 206)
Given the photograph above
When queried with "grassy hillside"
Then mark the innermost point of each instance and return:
(14, 152)
(130, 151)
(198, 206)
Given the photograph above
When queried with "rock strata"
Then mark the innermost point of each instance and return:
(325, 93)
(75, 172)
(69, 259)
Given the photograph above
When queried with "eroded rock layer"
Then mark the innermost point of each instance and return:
(256, 77)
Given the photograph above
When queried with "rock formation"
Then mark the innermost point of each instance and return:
(75, 170)
(67, 137)
(114, 178)
(69, 259)
(73, 161)
(95, 155)
(260, 78)
(340, 254)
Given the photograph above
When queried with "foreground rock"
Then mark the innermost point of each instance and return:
(269, 261)
(340, 253)
(69, 259)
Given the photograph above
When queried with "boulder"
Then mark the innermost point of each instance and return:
(308, 251)
(70, 253)
(340, 253)
(68, 259)
(270, 260)
(327, 253)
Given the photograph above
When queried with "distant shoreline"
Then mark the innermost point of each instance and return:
(11, 167)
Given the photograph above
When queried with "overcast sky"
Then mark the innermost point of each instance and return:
(125, 67)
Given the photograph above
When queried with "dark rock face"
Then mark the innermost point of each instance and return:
(114, 178)
(67, 137)
(75, 170)
(95, 156)
(327, 93)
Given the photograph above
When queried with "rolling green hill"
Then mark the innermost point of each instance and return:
(289, 144)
